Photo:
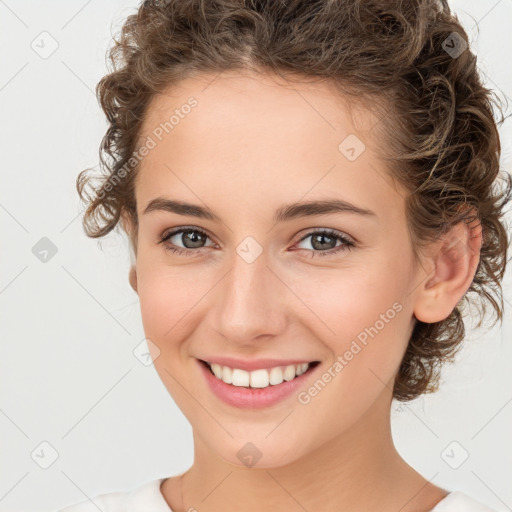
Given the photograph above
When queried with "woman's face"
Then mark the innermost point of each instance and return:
(256, 286)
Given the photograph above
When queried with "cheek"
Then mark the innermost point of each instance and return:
(173, 301)
(364, 325)
(164, 297)
(360, 313)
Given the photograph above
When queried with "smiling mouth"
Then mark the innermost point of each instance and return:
(260, 378)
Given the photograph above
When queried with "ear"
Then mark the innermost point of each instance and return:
(452, 262)
(127, 226)
(132, 278)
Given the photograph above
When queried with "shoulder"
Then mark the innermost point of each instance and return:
(457, 501)
(146, 496)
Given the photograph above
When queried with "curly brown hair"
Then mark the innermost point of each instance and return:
(411, 60)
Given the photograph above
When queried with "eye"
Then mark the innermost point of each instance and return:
(191, 238)
(324, 242)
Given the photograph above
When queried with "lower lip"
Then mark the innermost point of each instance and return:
(253, 398)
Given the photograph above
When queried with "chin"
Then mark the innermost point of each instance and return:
(264, 454)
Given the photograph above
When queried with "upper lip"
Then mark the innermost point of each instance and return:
(254, 364)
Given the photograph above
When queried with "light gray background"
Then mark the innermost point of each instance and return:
(69, 326)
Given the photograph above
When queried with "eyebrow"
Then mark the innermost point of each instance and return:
(284, 213)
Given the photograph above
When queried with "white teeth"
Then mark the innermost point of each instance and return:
(217, 370)
(276, 376)
(289, 372)
(257, 378)
(302, 368)
(227, 374)
(240, 377)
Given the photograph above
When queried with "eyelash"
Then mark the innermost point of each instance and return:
(346, 246)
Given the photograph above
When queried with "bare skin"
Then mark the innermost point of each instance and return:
(249, 147)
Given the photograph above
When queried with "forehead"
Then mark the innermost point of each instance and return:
(256, 136)
(249, 99)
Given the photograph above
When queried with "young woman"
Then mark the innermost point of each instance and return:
(310, 191)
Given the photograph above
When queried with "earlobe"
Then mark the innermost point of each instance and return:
(454, 261)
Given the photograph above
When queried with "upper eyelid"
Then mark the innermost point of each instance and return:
(329, 231)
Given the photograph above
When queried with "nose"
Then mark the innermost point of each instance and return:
(250, 303)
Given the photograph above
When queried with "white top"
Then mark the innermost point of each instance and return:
(148, 498)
